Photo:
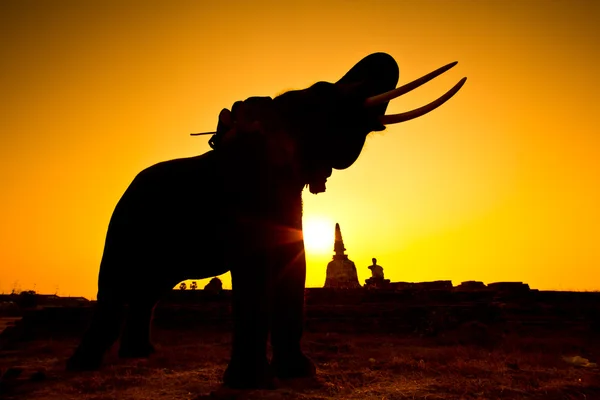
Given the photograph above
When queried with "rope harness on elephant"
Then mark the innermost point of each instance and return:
(251, 121)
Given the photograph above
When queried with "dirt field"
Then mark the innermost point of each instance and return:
(460, 364)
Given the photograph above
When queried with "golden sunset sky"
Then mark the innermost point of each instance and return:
(502, 183)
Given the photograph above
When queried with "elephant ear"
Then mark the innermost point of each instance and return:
(376, 73)
(256, 151)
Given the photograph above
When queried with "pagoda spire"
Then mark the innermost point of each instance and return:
(338, 246)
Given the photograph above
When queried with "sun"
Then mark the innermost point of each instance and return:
(319, 234)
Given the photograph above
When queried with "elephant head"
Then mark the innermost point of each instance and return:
(325, 126)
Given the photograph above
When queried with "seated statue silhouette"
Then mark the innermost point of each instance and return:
(376, 279)
(376, 270)
(238, 208)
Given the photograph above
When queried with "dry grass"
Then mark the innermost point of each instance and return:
(190, 363)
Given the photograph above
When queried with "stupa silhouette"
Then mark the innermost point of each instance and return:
(341, 271)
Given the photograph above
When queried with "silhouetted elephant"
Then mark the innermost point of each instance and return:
(238, 208)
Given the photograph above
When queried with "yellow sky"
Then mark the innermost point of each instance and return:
(501, 183)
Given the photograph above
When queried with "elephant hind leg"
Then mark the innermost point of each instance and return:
(100, 336)
(135, 341)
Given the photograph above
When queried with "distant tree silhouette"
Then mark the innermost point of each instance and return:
(214, 286)
(27, 299)
(238, 208)
(16, 288)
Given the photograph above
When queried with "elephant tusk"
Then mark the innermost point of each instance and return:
(395, 118)
(392, 94)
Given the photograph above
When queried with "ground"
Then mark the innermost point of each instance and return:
(191, 360)
(367, 344)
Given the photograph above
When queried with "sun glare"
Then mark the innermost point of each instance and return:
(319, 234)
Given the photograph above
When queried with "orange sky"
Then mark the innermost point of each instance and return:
(501, 183)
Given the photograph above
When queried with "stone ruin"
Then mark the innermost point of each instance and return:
(509, 287)
(471, 285)
(341, 274)
(501, 287)
(426, 286)
(341, 271)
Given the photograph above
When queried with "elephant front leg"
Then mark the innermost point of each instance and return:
(288, 315)
(249, 367)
